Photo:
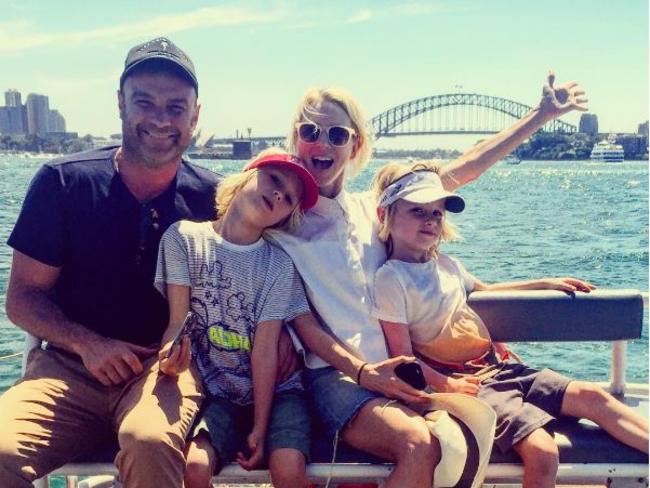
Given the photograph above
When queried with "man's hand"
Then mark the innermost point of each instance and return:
(288, 360)
(380, 377)
(112, 361)
(255, 441)
(558, 100)
(174, 362)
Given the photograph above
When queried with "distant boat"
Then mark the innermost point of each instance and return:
(607, 151)
(511, 159)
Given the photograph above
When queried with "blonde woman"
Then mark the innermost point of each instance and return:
(337, 251)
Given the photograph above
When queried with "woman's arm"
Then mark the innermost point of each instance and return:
(556, 101)
(264, 359)
(178, 297)
(398, 341)
(379, 377)
(566, 284)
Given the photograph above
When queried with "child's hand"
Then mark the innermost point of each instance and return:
(468, 385)
(255, 442)
(567, 284)
(179, 359)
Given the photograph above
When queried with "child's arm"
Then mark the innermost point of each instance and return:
(178, 297)
(379, 377)
(264, 359)
(398, 341)
(567, 284)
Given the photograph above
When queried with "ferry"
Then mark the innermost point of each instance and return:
(588, 456)
(607, 151)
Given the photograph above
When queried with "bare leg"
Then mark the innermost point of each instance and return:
(398, 434)
(287, 468)
(590, 401)
(201, 462)
(541, 458)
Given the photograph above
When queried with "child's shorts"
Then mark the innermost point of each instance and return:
(524, 400)
(336, 397)
(228, 425)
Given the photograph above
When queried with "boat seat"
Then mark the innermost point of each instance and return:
(587, 453)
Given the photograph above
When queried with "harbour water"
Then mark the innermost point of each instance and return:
(542, 218)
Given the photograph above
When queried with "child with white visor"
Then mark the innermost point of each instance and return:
(421, 302)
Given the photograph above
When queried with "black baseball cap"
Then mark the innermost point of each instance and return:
(160, 49)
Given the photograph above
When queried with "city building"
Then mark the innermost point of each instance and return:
(56, 122)
(643, 129)
(588, 124)
(38, 113)
(13, 98)
(13, 118)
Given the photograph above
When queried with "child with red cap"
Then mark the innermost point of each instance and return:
(239, 290)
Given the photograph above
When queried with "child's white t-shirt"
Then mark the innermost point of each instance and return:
(431, 299)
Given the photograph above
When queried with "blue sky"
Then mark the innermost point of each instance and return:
(255, 59)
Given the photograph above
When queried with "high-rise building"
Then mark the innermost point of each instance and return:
(643, 129)
(13, 98)
(588, 124)
(56, 122)
(13, 120)
(38, 113)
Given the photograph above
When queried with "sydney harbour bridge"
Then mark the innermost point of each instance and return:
(452, 113)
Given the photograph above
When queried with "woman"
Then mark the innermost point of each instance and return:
(337, 252)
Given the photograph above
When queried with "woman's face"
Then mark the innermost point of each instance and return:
(416, 228)
(325, 161)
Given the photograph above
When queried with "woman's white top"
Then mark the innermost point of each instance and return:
(337, 253)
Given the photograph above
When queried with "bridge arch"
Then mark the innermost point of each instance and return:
(385, 123)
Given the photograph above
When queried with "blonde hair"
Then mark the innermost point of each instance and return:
(229, 187)
(387, 175)
(307, 108)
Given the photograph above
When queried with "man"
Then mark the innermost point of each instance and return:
(85, 247)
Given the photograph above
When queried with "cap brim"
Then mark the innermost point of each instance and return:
(453, 203)
(178, 66)
(309, 186)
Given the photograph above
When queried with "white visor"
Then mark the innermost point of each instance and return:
(422, 186)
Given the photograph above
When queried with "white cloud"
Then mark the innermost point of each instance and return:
(361, 16)
(20, 35)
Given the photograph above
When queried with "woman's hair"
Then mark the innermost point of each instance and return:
(308, 107)
(387, 175)
(230, 186)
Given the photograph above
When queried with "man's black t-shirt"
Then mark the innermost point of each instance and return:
(78, 215)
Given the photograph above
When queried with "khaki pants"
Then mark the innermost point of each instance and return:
(59, 411)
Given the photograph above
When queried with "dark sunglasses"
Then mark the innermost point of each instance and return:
(338, 135)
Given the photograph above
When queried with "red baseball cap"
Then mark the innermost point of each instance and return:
(310, 188)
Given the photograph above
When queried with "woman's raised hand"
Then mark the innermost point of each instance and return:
(558, 100)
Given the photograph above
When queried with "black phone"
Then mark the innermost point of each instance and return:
(412, 374)
(183, 330)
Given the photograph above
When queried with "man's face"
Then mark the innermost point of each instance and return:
(159, 112)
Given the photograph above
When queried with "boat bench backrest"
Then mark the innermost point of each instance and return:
(545, 316)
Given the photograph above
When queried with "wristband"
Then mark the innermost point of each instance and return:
(359, 373)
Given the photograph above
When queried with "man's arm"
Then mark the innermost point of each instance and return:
(30, 306)
(556, 101)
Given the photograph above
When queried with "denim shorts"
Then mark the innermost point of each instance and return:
(335, 397)
(228, 425)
